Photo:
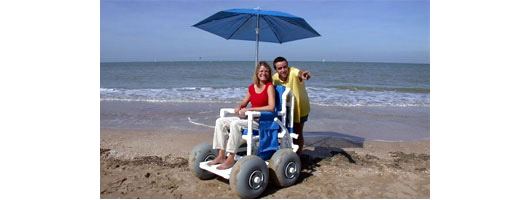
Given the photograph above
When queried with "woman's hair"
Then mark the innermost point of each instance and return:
(262, 63)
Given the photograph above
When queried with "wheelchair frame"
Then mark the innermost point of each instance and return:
(284, 165)
(251, 140)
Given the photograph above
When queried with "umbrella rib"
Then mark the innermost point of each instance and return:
(272, 28)
(313, 31)
(250, 16)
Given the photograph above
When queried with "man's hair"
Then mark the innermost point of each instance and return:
(280, 59)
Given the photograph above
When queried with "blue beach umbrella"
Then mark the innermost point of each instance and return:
(257, 25)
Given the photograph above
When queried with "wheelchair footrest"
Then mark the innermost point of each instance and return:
(225, 173)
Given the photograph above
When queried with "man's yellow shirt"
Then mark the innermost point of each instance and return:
(301, 103)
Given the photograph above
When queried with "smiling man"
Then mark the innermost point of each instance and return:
(293, 78)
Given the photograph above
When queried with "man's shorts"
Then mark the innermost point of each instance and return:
(304, 119)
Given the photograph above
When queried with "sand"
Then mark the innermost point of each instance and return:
(154, 164)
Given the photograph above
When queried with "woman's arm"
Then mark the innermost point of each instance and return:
(243, 104)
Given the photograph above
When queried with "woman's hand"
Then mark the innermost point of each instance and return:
(236, 110)
(242, 112)
(242, 105)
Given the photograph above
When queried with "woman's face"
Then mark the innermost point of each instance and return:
(263, 73)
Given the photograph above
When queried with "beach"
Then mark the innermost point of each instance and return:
(340, 160)
(368, 133)
(154, 164)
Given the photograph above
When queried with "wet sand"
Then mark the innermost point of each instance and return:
(154, 164)
(366, 123)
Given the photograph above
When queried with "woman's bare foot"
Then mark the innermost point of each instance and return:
(226, 164)
(229, 162)
(217, 160)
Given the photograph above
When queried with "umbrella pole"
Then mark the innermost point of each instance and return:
(257, 40)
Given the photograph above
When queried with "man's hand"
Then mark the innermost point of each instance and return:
(305, 75)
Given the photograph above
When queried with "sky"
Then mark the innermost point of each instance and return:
(395, 31)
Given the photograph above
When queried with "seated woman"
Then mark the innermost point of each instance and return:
(261, 96)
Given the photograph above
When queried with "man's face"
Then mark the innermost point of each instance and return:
(282, 69)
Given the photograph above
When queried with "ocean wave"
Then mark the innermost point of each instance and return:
(324, 96)
(366, 88)
(185, 94)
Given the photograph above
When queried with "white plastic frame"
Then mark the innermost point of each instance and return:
(287, 106)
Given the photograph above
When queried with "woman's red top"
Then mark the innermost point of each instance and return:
(261, 99)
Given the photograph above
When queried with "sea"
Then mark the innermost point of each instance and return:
(345, 84)
(350, 101)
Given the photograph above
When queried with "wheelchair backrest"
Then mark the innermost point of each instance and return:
(279, 92)
(284, 108)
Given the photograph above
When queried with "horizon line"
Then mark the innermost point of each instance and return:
(254, 61)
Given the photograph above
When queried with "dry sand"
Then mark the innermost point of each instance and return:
(154, 164)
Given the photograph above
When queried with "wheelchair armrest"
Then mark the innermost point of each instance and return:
(253, 114)
(225, 111)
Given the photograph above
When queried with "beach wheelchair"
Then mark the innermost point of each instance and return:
(269, 150)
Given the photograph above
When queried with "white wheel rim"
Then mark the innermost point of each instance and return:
(256, 179)
(290, 170)
(209, 158)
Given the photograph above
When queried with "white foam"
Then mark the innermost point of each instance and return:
(199, 124)
(317, 96)
(353, 98)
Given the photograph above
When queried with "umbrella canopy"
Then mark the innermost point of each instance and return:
(257, 25)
